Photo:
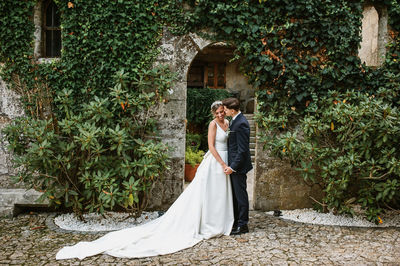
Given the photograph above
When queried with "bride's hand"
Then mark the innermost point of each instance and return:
(224, 166)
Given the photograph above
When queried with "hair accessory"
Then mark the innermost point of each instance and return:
(215, 103)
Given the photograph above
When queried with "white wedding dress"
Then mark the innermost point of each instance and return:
(204, 210)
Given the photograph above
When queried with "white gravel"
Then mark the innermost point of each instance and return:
(115, 221)
(314, 217)
(95, 222)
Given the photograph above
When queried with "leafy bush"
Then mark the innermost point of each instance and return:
(103, 154)
(198, 111)
(199, 103)
(193, 157)
(193, 141)
(349, 143)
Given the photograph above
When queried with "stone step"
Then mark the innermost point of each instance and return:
(252, 124)
(249, 116)
(11, 198)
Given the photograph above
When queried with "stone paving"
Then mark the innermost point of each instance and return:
(29, 240)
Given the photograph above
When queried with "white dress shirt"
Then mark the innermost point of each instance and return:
(233, 118)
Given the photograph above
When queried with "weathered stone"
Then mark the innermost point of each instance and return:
(237, 83)
(374, 35)
(9, 198)
(10, 108)
(279, 186)
(369, 44)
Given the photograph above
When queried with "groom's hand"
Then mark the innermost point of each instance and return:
(228, 170)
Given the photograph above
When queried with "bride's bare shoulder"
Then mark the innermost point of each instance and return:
(212, 124)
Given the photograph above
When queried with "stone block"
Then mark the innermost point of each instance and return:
(11, 198)
(280, 186)
(173, 109)
(370, 29)
(10, 106)
(201, 43)
(178, 92)
(169, 187)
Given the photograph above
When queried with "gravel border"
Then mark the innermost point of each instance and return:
(50, 222)
(390, 220)
(52, 226)
(286, 215)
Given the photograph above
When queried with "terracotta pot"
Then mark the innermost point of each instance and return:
(190, 172)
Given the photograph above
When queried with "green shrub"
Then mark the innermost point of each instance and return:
(193, 141)
(349, 142)
(104, 154)
(199, 104)
(198, 112)
(193, 157)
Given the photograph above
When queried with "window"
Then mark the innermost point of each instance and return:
(215, 76)
(51, 30)
(206, 74)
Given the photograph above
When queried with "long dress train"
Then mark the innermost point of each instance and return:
(203, 210)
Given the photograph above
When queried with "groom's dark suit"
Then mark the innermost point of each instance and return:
(239, 160)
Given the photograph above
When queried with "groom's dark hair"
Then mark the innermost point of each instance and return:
(231, 103)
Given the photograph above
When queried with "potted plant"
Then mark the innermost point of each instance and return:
(192, 162)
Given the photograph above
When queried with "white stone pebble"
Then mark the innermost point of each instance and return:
(313, 217)
(96, 222)
(116, 221)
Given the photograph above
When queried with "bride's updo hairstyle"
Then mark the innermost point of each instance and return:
(215, 105)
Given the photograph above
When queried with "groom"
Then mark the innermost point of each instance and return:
(239, 161)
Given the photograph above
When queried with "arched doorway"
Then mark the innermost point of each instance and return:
(213, 75)
(180, 54)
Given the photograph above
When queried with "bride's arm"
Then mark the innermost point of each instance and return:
(212, 132)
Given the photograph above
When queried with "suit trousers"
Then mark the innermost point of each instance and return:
(240, 199)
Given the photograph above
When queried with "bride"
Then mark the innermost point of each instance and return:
(204, 210)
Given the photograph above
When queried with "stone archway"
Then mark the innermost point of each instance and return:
(178, 52)
(212, 68)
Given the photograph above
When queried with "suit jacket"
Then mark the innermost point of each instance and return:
(239, 158)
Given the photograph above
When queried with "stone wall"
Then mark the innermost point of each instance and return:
(278, 186)
(374, 35)
(238, 83)
(10, 108)
(178, 53)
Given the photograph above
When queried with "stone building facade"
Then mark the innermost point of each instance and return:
(276, 184)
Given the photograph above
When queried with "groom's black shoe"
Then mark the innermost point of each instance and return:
(234, 228)
(240, 230)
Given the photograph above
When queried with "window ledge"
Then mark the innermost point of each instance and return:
(48, 60)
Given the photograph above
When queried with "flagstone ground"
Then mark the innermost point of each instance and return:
(29, 240)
